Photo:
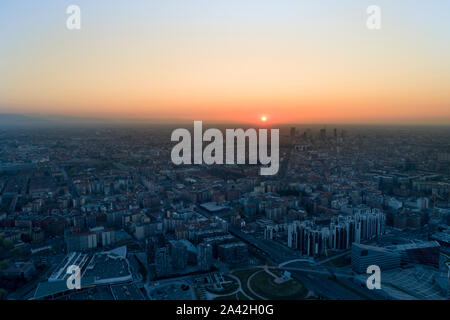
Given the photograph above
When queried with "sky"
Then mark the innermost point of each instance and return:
(232, 60)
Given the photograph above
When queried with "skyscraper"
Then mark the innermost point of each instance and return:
(292, 132)
(205, 256)
(323, 133)
(162, 265)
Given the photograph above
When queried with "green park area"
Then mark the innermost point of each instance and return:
(243, 275)
(264, 285)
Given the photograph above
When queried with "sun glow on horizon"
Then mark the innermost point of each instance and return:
(258, 62)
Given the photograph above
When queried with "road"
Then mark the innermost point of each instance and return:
(315, 278)
(318, 279)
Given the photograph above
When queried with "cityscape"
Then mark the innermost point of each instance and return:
(227, 157)
(109, 200)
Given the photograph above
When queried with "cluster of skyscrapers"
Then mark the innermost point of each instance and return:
(314, 240)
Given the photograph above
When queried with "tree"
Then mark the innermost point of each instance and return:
(8, 244)
(4, 264)
(17, 253)
(3, 294)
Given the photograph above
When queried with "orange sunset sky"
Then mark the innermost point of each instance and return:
(292, 61)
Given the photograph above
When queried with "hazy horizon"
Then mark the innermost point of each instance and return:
(228, 61)
(54, 119)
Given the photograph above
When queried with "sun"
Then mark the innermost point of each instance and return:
(263, 118)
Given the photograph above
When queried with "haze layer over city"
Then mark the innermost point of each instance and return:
(350, 104)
